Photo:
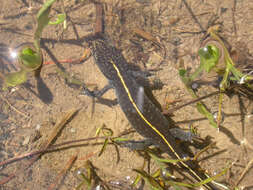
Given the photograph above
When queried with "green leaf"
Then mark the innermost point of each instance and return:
(106, 131)
(209, 57)
(86, 181)
(173, 183)
(200, 106)
(103, 147)
(43, 20)
(209, 179)
(202, 109)
(153, 184)
(60, 19)
(136, 180)
(30, 59)
(16, 78)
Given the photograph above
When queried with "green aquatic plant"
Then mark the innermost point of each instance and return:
(162, 178)
(30, 57)
(217, 59)
(187, 80)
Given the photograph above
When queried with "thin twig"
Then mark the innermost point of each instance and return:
(193, 16)
(233, 17)
(249, 165)
(56, 147)
(203, 150)
(43, 146)
(12, 107)
(85, 56)
(146, 35)
(190, 102)
(99, 25)
(58, 127)
(50, 149)
(63, 171)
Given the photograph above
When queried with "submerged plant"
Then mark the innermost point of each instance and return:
(29, 55)
(214, 58)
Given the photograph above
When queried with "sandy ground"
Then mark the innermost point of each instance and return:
(24, 113)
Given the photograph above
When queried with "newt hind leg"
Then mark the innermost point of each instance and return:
(97, 93)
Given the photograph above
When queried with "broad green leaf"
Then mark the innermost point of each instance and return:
(30, 59)
(16, 78)
(209, 57)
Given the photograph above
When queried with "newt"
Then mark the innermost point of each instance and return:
(140, 111)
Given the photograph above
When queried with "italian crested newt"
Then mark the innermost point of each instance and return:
(142, 114)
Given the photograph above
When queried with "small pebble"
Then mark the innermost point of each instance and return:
(72, 130)
(38, 126)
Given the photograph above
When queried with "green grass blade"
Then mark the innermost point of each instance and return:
(103, 147)
(153, 184)
(210, 179)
